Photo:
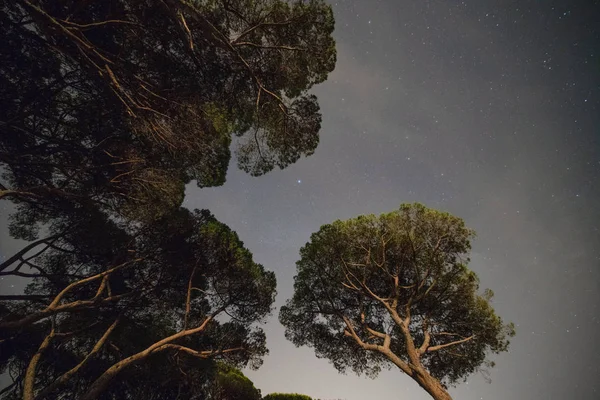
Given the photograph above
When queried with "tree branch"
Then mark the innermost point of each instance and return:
(67, 375)
(199, 354)
(260, 46)
(102, 382)
(350, 332)
(426, 338)
(19, 255)
(441, 346)
(73, 285)
(188, 300)
(30, 373)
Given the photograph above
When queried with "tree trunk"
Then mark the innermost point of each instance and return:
(431, 385)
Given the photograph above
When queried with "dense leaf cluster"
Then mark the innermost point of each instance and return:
(232, 384)
(172, 277)
(121, 103)
(394, 289)
(107, 110)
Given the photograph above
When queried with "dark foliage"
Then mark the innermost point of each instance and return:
(107, 110)
(153, 308)
(121, 103)
(394, 290)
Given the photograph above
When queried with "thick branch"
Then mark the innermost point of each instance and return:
(426, 338)
(441, 346)
(70, 307)
(67, 375)
(104, 380)
(350, 332)
(30, 373)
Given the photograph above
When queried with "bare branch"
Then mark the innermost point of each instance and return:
(95, 24)
(26, 249)
(188, 299)
(67, 375)
(426, 338)
(100, 384)
(441, 346)
(73, 285)
(350, 332)
(199, 354)
(187, 30)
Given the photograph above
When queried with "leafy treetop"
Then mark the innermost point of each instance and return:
(121, 103)
(395, 290)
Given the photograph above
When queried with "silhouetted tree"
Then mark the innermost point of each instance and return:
(120, 103)
(103, 301)
(107, 110)
(394, 290)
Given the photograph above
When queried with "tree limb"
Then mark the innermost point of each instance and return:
(350, 332)
(26, 249)
(101, 383)
(441, 346)
(199, 354)
(29, 383)
(188, 299)
(67, 375)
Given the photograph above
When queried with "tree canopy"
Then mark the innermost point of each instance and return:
(107, 110)
(182, 291)
(394, 290)
(121, 103)
(232, 384)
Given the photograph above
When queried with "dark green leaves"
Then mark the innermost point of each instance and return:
(400, 276)
(121, 104)
(169, 277)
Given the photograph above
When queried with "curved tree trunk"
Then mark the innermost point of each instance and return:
(431, 385)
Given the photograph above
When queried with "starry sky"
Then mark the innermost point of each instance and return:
(489, 110)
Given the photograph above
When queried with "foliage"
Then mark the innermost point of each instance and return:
(232, 384)
(394, 289)
(107, 110)
(167, 300)
(120, 103)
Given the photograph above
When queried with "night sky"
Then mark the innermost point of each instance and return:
(489, 110)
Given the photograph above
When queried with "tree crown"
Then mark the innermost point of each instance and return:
(396, 284)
